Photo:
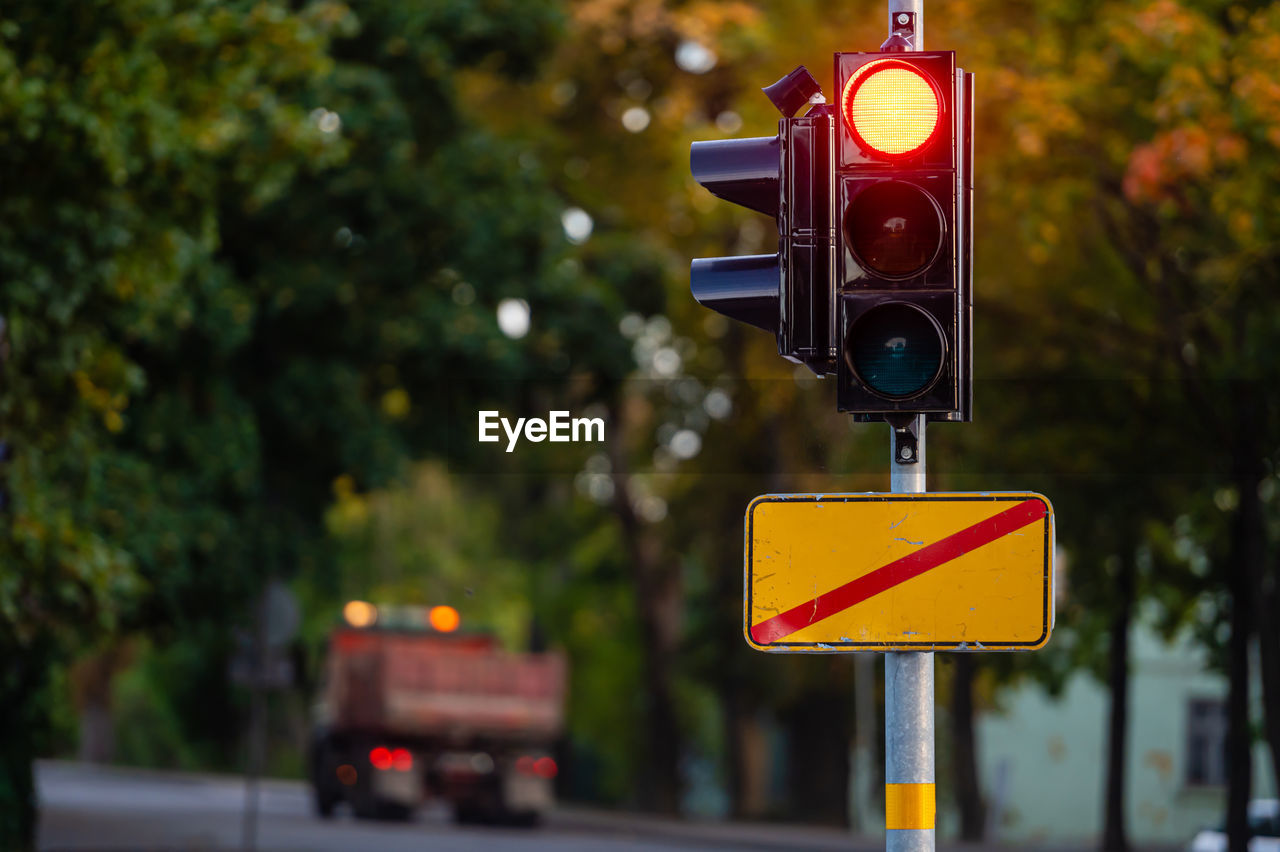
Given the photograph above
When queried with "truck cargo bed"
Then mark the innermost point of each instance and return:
(456, 688)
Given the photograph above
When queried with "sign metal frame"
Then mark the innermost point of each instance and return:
(1047, 614)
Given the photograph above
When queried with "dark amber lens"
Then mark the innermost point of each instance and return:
(896, 350)
(893, 229)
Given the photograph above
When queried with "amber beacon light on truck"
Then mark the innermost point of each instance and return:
(363, 615)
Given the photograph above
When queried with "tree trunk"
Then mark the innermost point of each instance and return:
(663, 728)
(1239, 760)
(1268, 604)
(21, 685)
(818, 728)
(17, 796)
(1114, 836)
(735, 674)
(92, 678)
(756, 761)
(659, 600)
(862, 757)
(964, 743)
(730, 720)
(1242, 573)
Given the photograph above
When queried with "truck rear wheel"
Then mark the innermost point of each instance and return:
(472, 812)
(372, 807)
(523, 819)
(467, 813)
(323, 803)
(394, 811)
(325, 795)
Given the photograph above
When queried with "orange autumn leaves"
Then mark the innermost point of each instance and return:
(1185, 154)
(1216, 113)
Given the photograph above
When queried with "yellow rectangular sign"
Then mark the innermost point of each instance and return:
(899, 572)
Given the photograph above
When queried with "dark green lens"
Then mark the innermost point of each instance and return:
(893, 228)
(895, 349)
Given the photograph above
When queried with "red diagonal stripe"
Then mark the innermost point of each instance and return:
(899, 571)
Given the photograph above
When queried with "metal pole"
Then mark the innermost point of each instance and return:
(909, 797)
(910, 803)
(257, 728)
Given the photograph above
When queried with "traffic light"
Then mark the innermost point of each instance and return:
(872, 198)
(903, 184)
(788, 177)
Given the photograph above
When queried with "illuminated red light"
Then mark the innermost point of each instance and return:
(401, 760)
(892, 108)
(380, 757)
(545, 767)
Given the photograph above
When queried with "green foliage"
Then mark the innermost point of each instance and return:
(230, 266)
(150, 729)
(232, 256)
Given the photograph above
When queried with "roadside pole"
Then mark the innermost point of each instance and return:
(910, 802)
(909, 798)
(262, 665)
(257, 728)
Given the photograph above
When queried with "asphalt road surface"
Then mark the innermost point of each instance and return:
(112, 810)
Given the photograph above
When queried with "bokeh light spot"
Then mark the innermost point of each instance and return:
(513, 318)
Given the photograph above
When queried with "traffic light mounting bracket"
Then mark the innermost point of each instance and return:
(906, 437)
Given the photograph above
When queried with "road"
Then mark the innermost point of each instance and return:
(111, 810)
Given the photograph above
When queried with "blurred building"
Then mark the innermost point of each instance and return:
(1043, 760)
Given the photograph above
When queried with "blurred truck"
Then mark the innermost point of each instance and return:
(410, 708)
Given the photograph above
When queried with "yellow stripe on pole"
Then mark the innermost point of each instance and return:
(909, 806)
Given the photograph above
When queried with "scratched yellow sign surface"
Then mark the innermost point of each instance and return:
(906, 572)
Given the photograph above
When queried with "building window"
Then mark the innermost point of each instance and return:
(1206, 742)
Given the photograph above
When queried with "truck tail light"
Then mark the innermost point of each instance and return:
(543, 767)
(380, 757)
(399, 759)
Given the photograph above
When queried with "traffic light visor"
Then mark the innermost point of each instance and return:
(892, 108)
(744, 171)
(896, 350)
(744, 288)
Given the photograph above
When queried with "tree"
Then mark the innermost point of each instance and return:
(1154, 119)
(245, 246)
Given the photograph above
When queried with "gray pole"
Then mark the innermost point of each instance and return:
(908, 690)
(257, 727)
(909, 794)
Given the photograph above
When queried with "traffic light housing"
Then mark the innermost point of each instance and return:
(872, 198)
(903, 186)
